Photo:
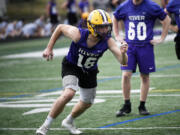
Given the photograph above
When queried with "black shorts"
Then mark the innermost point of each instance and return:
(177, 46)
(54, 19)
(72, 18)
(87, 79)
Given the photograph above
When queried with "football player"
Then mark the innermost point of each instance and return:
(79, 67)
(173, 7)
(139, 18)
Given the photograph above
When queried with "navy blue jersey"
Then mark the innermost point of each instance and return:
(139, 20)
(80, 55)
(174, 7)
(71, 6)
(84, 6)
(53, 10)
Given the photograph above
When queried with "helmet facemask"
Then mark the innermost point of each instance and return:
(103, 30)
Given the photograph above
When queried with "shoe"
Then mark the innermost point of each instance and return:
(70, 126)
(143, 111)
(124, 110)
(42, 130)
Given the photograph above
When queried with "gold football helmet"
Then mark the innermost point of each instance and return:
(99, 19)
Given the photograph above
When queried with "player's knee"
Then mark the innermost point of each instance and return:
(66, 98)
(126, 76)
(145, 78)
(67, 95)
(86, 105)
(87, 100)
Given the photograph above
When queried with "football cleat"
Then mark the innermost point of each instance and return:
(70, 126)
(143, 111)
(42, 130)
(124, 110)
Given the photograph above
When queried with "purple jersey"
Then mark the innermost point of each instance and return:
(139, 20)
(80, 55)
(174, 7)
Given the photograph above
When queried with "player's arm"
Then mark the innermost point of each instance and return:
(67, 30)
(119, 53)
(116, 30)
(165, 26)
(173, 28)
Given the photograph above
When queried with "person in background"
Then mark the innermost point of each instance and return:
(100, 4)
(84, 6)
(164, 3)
(114, 3)
(52, 12)
(173, 7)
(139, 19)
(173, 27)
(71, 6)
(79, 67)
(83, 20)
(3, 26)
(10, 30)
(32, 30)
(19, 26)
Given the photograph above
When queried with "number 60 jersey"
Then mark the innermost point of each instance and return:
(80, 55)
(139, 20)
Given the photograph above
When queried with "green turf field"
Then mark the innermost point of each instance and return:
(28, 87)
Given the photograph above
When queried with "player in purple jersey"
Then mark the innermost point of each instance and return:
(79, 67)
(139, 18)
(173, 7)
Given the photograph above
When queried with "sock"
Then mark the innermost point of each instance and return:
(69, 118)
(127, 101)
(142, 103)
(48, 121)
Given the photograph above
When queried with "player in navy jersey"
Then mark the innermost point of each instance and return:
(52, 12)
(173, 7)
(139, 18)
(79, 67)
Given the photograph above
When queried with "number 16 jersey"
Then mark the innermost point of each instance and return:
(84, 57)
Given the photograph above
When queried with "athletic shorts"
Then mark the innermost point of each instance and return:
(87, 79)
(177, 46)
(141, 56)
(54, 19)
(72, 18)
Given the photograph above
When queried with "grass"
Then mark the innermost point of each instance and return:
(22, 80)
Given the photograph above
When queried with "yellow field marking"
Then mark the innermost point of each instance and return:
(13, 93)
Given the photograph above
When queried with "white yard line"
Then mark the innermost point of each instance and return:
(62, 51)
(54, 129)
(38, 54)
(99, 77)
(117, 96)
